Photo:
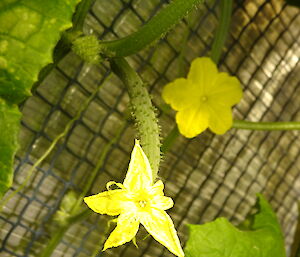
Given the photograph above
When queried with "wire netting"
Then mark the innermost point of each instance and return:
(209, 176)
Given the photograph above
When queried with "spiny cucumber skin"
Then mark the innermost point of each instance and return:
(143, 111)
(146, 123)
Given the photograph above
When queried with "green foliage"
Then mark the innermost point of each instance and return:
(295, 248)
(9, 128)
(29, 31)
(262, 236)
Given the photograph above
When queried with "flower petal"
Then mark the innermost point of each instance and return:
(109, 202)
(181, 93)
(162, 202)
(226, 90)
(157, 188)
(159, 224)
(203, 71)
(191, 122)
(127, 227)
(220, 119)
(139, 174)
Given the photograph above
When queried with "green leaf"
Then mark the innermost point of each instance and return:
(295, 248)
(262, 237)
(9, 128)
(29, 31)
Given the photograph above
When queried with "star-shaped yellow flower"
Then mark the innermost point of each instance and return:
(204, 99)
(137, 201)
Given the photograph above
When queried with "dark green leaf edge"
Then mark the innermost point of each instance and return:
(9, 127)
(260, 236)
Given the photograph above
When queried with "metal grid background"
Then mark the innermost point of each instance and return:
(209, 176)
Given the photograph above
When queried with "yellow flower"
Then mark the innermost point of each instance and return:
(137, 201)
(204, 99)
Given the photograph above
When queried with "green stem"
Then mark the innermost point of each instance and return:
(80, 14)
(152, 31)
(238, 124)
(69, 36)
(289, 125)
(142, 110)
(74, 216)
(298, 252)
(50, 148)
(169, 139)
(99, 164)
(55, 239)
(63, 46)
(222, 30)
(103, 237)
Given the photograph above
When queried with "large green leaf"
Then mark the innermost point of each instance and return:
(262, 236)
(9, 130)
(29, 31)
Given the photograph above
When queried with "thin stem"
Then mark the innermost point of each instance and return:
(80, 14)
(222, 30)
(142, 110)
(74, 216)
(238, 124)
(64, 45)
(298, 252)
(49, 150)
(55, 239)
(59, 233)
(289, 125)
(97, 250)
(152, 31)
(69, 36)
(99, 164)
(169, 139)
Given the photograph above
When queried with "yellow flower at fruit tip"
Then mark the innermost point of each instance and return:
(204, 99)
(138, 200)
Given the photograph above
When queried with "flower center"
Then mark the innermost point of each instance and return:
(142, 204)
(203, 98)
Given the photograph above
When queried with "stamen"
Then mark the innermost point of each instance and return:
(142, 203)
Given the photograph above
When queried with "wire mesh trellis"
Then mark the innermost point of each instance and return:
(207, 177)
